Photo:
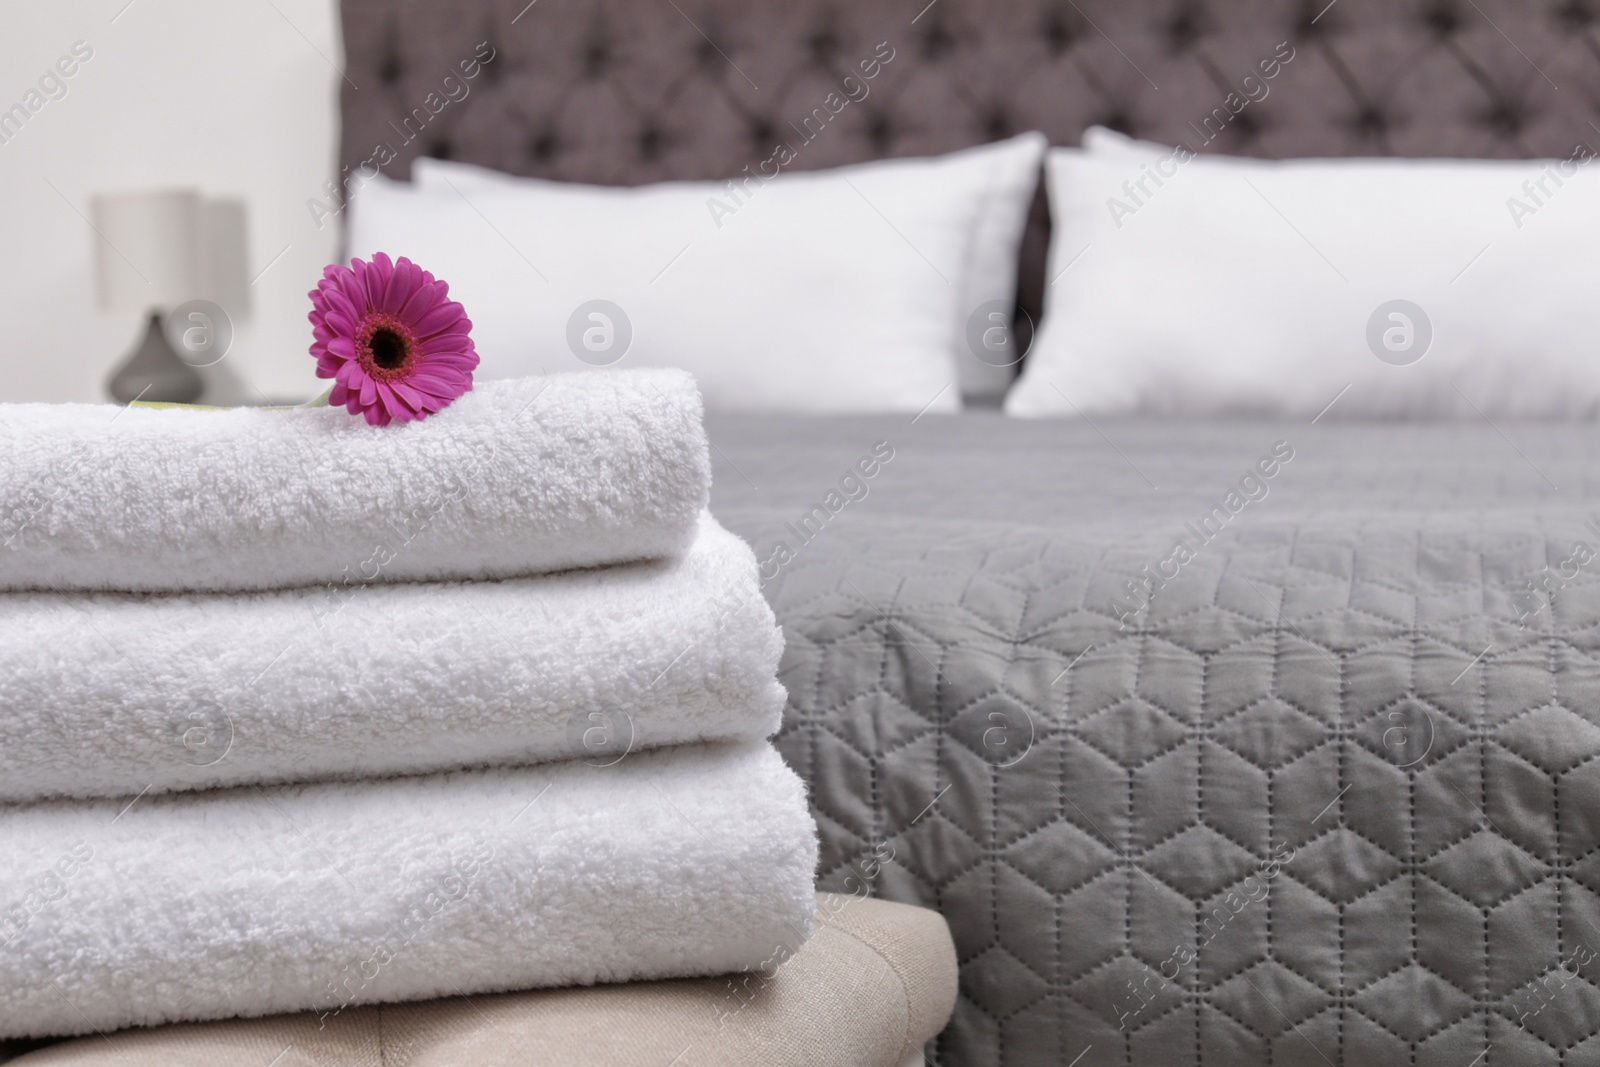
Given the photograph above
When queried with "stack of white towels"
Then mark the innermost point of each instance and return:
(298, 713)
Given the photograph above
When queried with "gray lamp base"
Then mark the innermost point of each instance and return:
(153, 372)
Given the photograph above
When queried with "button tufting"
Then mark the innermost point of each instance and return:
(879, 132)
(389, 68)
(1248, 125)
(651, 141)
(1369, 122)
(1442, 18)
(823, 46)
(1060, 30)
(596, 59)
(936, 41)
(1506, 118)
(1313, 18)
(1575, 14)
(493, 71)
(1118, 120)
(543, 148)
(1184, 29)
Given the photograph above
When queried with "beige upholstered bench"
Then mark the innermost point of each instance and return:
(868, 990)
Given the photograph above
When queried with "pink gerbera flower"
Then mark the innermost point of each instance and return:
(394, 343)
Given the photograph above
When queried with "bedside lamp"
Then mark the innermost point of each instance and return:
(149, 260)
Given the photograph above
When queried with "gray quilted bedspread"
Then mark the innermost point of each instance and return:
(1321, 790)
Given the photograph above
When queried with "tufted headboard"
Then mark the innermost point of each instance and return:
(625, 92)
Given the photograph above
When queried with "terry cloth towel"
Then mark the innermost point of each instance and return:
(114, 694)
(695, 860)
(874, 983)
(516, 477)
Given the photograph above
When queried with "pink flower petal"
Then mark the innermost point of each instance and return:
(438, 386)
(391, 404)
(457, 329)
(447, 347)
(381, 269)
(445, 385)
(355, 286)
(351, 376)
(414, 399)
(465, 357)
(369, 282)
(421, 299)
(438, 319)
(338, 303)
(405, 281)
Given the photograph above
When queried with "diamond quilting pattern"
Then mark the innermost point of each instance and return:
(1551, 738)
(1412, 733)
(1485, 869)
(1560, 1010)
(1269, 997)
(1349, 837)
(1270, 734)
(1343, 867)
(1199, 860)
(1132, 732)
(1413, 1003)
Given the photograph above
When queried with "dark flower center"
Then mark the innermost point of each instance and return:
(388, 349)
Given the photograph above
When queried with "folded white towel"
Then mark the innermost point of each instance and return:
(689, 861)
(514, 478)
(110, 694)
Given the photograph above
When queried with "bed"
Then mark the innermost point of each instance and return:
(1330, 794)
(1354, 678)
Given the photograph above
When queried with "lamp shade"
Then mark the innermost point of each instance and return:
(149, 251)
(224, 272)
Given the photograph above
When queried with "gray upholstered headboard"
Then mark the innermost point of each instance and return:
(632, 91)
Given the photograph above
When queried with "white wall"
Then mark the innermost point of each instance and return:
(235, 97)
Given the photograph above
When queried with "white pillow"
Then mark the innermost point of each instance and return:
(821, 291)
(1102, 139)
(1209, 284)
(1002, 177)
